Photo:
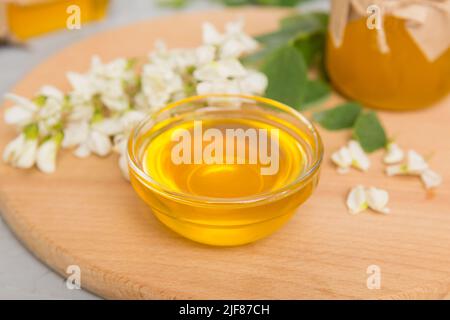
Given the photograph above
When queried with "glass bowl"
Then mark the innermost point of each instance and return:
(231, 202)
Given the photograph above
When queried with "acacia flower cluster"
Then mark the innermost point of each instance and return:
(106, 102)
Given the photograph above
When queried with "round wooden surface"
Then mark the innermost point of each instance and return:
(87, 215)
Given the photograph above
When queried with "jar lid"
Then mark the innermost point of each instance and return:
(426, 21)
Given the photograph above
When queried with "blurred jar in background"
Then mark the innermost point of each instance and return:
(23, 19)
(390, 54)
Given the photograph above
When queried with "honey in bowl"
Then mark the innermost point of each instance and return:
(225, 170)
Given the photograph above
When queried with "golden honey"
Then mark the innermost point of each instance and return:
(400, 79)
(29, 18)
(234, 201)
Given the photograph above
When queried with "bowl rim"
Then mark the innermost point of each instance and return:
(134, 164)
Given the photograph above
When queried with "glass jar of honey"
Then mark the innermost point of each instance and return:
(224, 170)
(400, 62)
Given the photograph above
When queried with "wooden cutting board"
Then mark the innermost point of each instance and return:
(87, 215)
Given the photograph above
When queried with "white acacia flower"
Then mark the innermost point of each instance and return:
(90, 138)
(116, 69)
(49, 115)
(97, 143)
(377, 199)
(430, 179)
(46, 154)
(343, 159)
(22, 113)
(254, 83)
(176, 59)
(52, 92)
(357, 200)
(361, 198)
(81, 112)
(220, 70)
(360, 160)
(211, 35)
(83, 150)
(351, 155)
(108, 126)
(75, 133)
(131, 118)
(394, 154)
(21, 152)
(113, 95)
(46, 113)
(159, 83)
(223, 86)
(415, 165)
(237, 43)
(234, 43)
(83, 89)
(109, 81)
(205, 54)
(19, 116)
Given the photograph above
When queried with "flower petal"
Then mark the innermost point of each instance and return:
(396, 169)
(82, 151)
(394, 154)
(18, 115)
(343, 159)
(13, 149)
(210, 34)
(360, 159)
(377, 199)
(356, 200)
(416, 164)
(75, 133)
(46, 156)
(253, 83)
(430, 179)
(28, 154)
(21, 101)
(52, 92)
(109, 126)
(99, 143)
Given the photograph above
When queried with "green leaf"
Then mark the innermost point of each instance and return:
(233, 3)
(315, 92)
(294, 27)
(277, 38)
(313, 21)
(286, 71)
(311, 45)
(369, 131)
(257, 58)
(340, 117)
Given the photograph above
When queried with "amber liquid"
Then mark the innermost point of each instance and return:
(225, 223)
(401, 79)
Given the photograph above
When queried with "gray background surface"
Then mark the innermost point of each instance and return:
(22, 276)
